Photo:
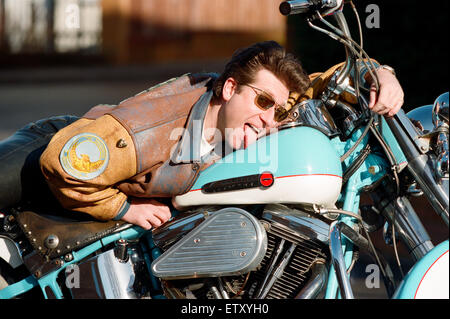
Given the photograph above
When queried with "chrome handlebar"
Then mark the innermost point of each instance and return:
(307, 6)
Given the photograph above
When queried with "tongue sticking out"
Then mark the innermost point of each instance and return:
(250, 136)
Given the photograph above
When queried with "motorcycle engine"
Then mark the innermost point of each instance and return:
(278, 269)
(117, 273)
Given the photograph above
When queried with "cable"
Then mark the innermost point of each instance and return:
(359, 219)
(361, 42)
(390, 157)
(243, 286)
(348, 45)
(395, 245)
(356, 164)
(343, 39)
(355, 258)
(347, 154)
(358, 20)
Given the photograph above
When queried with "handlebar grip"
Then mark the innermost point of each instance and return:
(295, 7)
(305, 6)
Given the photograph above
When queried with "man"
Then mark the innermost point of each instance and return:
(114, 162)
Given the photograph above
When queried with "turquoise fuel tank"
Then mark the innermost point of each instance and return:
(295, 165)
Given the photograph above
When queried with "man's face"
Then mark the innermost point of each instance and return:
(241, 121)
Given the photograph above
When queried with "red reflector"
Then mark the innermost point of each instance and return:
(266, 179)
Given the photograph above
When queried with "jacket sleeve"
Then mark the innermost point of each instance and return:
(84, 161)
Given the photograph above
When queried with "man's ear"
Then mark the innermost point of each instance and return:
(229, 88)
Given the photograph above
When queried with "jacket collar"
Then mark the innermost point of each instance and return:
(188, 148)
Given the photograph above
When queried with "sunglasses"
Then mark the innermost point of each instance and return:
(265, 101)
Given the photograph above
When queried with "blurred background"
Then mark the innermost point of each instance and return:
(65, 56)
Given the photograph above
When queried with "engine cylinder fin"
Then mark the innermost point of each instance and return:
(286, 283)
(297, 272)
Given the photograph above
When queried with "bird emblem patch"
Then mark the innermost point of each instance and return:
(85, 156)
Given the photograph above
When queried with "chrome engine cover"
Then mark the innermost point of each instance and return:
(297, 223)
(105, 277)
(229, 242)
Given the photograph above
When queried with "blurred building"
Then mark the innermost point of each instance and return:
(135, 31)
(50, 26)
(138, 30)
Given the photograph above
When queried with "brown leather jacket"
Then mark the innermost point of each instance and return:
(139, 137)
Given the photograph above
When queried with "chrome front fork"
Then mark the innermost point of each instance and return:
(398, 212)
(337, 260)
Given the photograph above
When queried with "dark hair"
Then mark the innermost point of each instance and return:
(269, 55)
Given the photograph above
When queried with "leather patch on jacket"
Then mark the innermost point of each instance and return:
(91, 196)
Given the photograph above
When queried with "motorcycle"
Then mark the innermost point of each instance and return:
(286, 225)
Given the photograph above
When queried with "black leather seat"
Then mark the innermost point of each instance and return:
(70, 235)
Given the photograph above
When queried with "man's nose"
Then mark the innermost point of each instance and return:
(268, 117)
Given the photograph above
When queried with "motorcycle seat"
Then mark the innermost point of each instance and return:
(54, 236)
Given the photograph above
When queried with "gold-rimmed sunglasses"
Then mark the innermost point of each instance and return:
(265, 101)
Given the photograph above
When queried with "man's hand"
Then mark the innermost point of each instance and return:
(147, 213)
(390, 98)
